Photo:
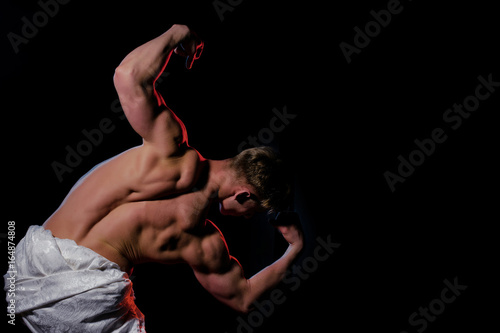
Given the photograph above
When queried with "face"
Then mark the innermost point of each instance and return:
(242, 203)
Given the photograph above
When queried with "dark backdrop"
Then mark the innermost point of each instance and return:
(352, 122)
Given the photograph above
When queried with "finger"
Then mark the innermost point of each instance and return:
(192, 57)
(287, 218)
(283, 230)
(199, 50)
(180, 51)
(189, 62)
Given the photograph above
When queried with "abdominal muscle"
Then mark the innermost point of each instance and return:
(151, 231)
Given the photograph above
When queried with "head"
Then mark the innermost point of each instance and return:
(257, 183)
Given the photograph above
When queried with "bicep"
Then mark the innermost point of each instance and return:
(219, 272)
(148, 114)
(229, 286)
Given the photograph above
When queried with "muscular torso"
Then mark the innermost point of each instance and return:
(138, 207)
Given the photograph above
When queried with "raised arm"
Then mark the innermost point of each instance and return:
(135, 83)
(222, 276)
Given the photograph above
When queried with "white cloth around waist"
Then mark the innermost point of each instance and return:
(64, 287)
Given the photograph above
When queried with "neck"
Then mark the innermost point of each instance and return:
(218, 173)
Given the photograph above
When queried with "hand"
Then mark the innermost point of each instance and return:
(288, 223)
(190, 47)
(293, 235)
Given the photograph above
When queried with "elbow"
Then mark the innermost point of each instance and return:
(131, 82)
(244, 303)
(124, 74)
(242, 308)
(239, 303)
(236, 303)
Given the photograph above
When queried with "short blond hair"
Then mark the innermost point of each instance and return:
(264, 170)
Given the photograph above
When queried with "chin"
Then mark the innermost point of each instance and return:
(222, 210)
(227, 212)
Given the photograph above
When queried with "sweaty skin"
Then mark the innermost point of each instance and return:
(140, 206)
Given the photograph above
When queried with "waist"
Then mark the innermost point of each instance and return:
(109, 252)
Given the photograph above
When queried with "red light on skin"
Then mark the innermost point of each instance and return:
(161, 101)
(225, 243)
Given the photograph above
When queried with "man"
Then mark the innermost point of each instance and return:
(147, 204)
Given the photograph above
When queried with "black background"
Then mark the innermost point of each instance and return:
(352, 122)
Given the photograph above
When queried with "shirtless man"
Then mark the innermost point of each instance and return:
(149, 204)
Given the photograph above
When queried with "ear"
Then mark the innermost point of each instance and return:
(242, 195)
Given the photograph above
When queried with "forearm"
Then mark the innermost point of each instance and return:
(147, 61)
(269, 276)
(224, 278)
(234, 290)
